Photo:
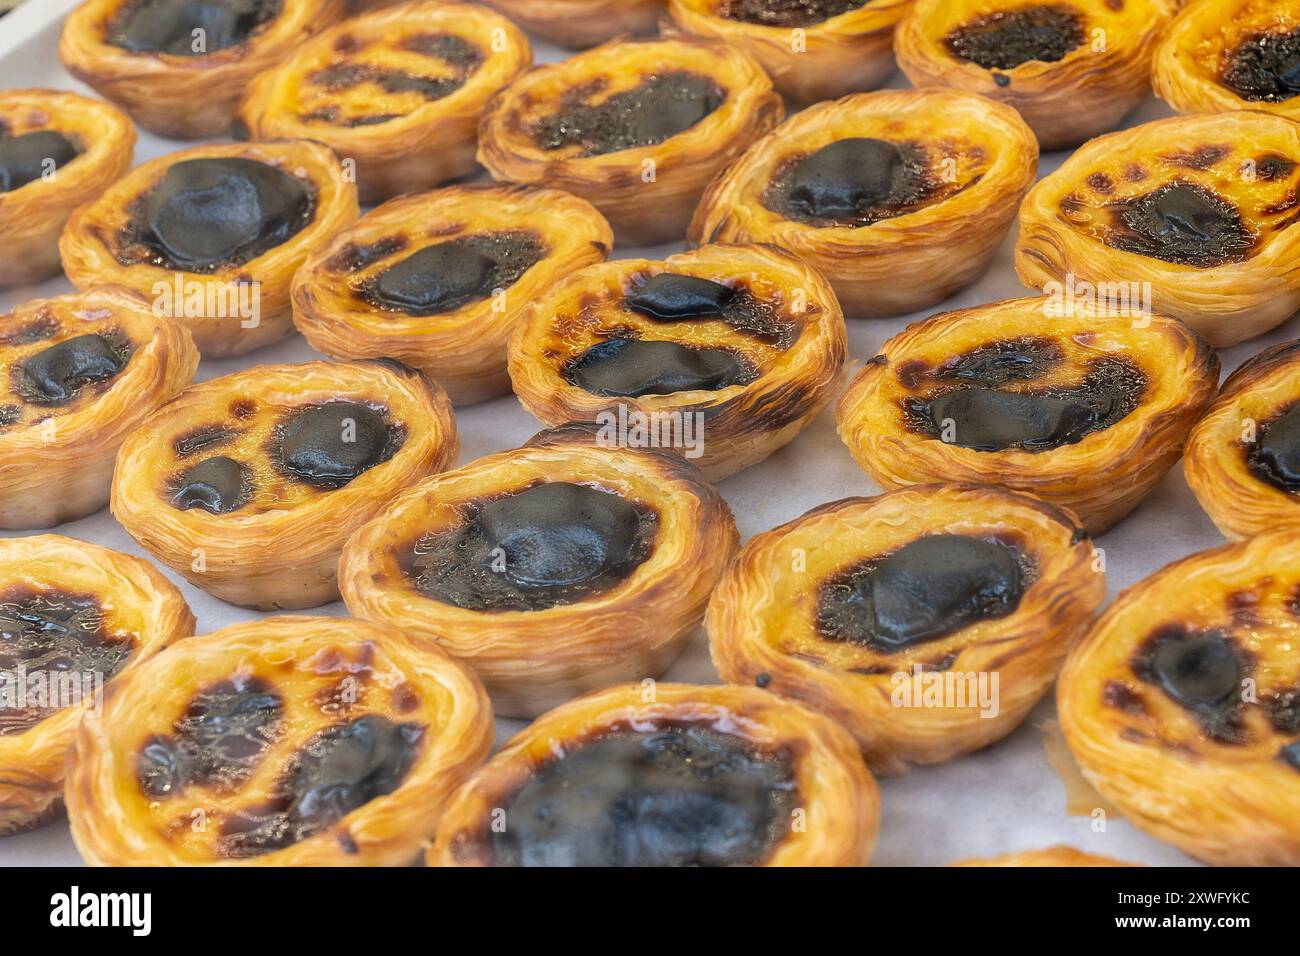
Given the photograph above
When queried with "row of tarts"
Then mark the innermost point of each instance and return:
(566, 565)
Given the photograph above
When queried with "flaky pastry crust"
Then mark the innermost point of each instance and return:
(1230, 799)
(136, 604)
(742, 423)
(1050, 856)
(1249, 159)
(280, 548)
(95, 250)
(1087, 92)
(429, 139)
(325, 671)
(463, 349)
(985, 159)
(1100, 477)
(835, 790)
(536, 659)
(56, 458)
(763, 619)
(32, 216)
(647, 192)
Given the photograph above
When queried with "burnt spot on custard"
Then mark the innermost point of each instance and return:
(1271, 167)
(31, 156)
(204, 215)
(328, 445)
(1008, 38)
(552, 544)
(671, 297)
(660, 107)
(931, 587)
(54, 637)
(1182, 223)
(786, 13)
(57, 374)
(1265, 68)
(1202, 672)
(463, 57)
(631, 367)
(678, 795)
(354, 256)
(197, 439)
(447, 275)
(41, 327)
(339, 770)
(217, 742)
(976, 406)
(1274, 457)
(216, 485)
(852, 182)
(168, 26)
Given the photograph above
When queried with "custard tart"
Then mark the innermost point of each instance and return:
(927, 622)
(285, 741)
(57, 151)
(1072, 68)
(179, 67)
(812, 49)
(1181, 704)
(900, 198)
(578, 24)
(78, 373)
(397, 92)
(723, 353)
(438, 280)
(1073, 405)
(1051, 856)
(1199, 210)
(73, 617)
(1232, 55)
(667, 775)
(248, 485)
(212, 235)
(551, 569)
(1243, 457)
(638, 128)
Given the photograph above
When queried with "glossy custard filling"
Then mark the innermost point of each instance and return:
(786, 13)
(52, 636)
(660, 107)
(1275, 455)
(675, 796)
(1182, 223)
(31, 156)
(1265, 68)
(1006, 39)
(974, 407)
(56, 375)
(338, 770)
(207, 214)
(927, 589)
(670, 297)
(553, 544)
(851, 182)
(187, 27)
(447, 275)
(1202, 672)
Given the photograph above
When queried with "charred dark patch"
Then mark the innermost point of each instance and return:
(553, 544)
(32, 156)
(353, 257)
(680, 795)
(927, 589)
(463, 57)
(852, 182)
(167, 26)
(1265, 67)
(217, 485)
(1274, 458)
(339, 770)
(1272, 167)
(1203, 157)
(38, 329)
(1202, 672)
(1183, 223)
(56, 375)
(329, 445)
(660, 107)
(447, 275)
(632, 367)
(1120, 696)
(670, 297)
(198, 439)
(52, 632)
(786, 13)
(218, 741)
(243, 408)
(1101, 183)
(1006, 39)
